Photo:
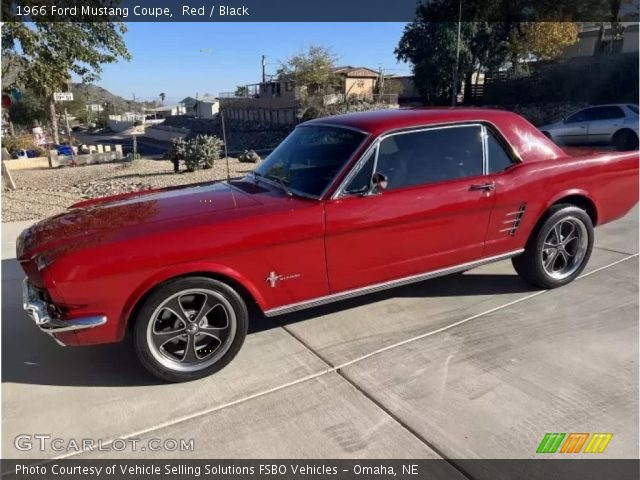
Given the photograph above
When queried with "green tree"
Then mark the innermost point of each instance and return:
(242, 91)
(312, 70)
(429, 42)
(53, 51)
(30, 108)
(162, 97)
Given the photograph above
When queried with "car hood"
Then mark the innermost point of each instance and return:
(108, 219)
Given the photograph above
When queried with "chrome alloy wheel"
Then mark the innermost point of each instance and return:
(564, 248)
(191, 330)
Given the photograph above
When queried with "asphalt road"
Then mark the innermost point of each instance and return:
(479, 365)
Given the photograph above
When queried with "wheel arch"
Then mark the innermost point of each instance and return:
(579, 198)
(624, 129)
(245, 288)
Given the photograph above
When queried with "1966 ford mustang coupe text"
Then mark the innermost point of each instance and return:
(344, 206)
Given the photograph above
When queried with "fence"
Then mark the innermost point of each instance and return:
(97, 154)
(596, 79)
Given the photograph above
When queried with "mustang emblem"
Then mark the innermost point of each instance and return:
(273, 278)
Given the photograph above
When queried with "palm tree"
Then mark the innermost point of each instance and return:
(162, 97)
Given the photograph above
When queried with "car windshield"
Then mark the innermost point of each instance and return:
(633, 108)
(309, 158)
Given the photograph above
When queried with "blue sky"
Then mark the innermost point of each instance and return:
(183, 59)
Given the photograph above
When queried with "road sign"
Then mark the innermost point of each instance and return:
(63, 96)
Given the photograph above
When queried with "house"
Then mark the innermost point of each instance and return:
(94, 107)
(359, 82)
(276, 99)
(596, 38)
(201, 107)
(166, 111)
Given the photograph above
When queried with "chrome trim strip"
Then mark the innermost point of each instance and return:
(485, 150)
(293, 307)
(37, 311)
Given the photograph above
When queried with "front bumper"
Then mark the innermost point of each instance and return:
(38, 311)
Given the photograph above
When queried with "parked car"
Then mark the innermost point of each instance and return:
(65, 150)
(615, 125)
(24, 154)
(344, 206)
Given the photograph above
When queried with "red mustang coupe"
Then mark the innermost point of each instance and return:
(344, 206)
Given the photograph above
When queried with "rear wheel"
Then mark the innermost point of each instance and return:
(625, 140)
(190, 328)
(558, 249)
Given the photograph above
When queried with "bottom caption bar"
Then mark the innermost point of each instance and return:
(579, 469)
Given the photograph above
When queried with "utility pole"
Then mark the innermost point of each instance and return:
(264, 66)
(381, 81)
(454, 89)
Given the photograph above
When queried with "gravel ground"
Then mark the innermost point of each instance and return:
(44, 192)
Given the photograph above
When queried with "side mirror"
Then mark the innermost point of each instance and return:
(380, 182)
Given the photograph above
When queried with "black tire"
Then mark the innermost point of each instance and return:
(625, 140)
(207, 345)
(540, 263)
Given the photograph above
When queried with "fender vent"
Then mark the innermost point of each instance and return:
(513, 219)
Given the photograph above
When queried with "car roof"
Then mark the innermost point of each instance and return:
(526, 141)
(608, 105)
(379, 121)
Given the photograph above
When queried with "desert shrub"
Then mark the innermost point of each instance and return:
(178, 149)
(177, 152)
(249, 156)
(19, 142)
(202, 151)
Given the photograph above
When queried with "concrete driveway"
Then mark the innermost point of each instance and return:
(479, 365)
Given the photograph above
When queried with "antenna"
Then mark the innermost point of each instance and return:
(224, 142)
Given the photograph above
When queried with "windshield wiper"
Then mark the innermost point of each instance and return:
(280, 180)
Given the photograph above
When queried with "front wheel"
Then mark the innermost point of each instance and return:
(558, 250)
(190, 328)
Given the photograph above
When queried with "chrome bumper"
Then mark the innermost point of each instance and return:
(36, 308)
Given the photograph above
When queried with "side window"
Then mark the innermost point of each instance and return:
(499, 159)
(581, 116)
(609, 113)
(633, 108)
(429, 156)
(362, 181)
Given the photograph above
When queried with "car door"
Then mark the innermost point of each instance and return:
(607, 120)
(432, 215)
(575, 129)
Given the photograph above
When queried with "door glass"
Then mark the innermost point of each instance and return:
(608, 113)
(582, 116)
(499, 159)
(429, 156)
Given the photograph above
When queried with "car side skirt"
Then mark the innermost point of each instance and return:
(335, 297)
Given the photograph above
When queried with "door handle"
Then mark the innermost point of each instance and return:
(486, 187)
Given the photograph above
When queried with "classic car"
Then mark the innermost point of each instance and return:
(344, 206)
(615, 125)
